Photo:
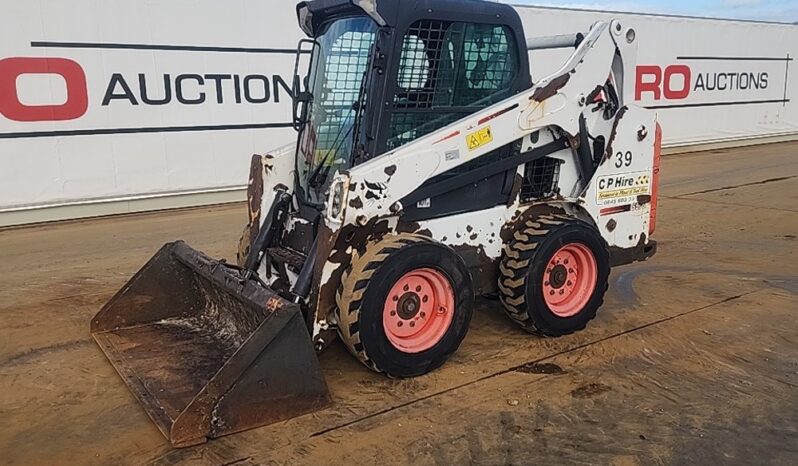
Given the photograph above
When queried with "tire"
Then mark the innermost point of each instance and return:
(537, 283)
(385, 342)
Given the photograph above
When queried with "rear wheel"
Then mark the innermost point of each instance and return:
(554, 274)
(404, 305)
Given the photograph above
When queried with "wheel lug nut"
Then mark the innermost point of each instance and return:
(571, 270)
(393, 313)
(399, 324)
(423, 314)
(406, 288)
(546, 283)
(395, 298)
(562, 291)
(569, 282)
(412, 324)
(425, 299)
(551, 292)
(565, 261)
(418, 288)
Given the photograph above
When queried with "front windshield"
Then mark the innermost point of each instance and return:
(337, 72)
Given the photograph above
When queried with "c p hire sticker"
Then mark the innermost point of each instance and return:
(479, 138)
(623, 188)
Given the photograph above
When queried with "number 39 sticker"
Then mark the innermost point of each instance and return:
(623, 159)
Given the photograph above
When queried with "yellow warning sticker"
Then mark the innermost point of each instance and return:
(479, 138)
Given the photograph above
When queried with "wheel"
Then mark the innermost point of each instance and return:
(553, 275)
(404, 305)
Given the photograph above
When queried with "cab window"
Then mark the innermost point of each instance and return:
(448, 70)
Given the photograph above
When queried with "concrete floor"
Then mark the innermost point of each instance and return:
(693, 358)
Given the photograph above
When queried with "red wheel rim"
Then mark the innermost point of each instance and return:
(569, 279)
(418, 310)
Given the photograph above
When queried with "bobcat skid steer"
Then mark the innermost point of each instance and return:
(428, 169)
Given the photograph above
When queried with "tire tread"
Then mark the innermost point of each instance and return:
(354, 282)
(514, 269)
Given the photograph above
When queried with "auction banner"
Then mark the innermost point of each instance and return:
(109, 100)
(120, 101)
(709, 80)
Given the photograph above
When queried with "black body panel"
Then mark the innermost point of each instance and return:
(482, 183)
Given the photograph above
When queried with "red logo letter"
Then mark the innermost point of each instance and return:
(77, 95)
(652, 86)
(669, 92)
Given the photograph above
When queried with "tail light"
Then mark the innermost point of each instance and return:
(652, 221)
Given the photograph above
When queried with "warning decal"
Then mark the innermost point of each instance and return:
(623, 188)
(479, 138)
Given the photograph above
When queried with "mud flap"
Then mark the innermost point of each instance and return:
(205, 352)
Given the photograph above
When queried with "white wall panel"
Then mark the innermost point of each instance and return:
(708, 49)
(122, 151)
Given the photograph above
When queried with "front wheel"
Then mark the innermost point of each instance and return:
(553, 275)
(404, 305)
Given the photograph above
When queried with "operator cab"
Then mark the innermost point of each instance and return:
(363, 96)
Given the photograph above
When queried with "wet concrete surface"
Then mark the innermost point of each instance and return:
(692, 359)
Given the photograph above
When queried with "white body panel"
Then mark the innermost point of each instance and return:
(624, 179)
(514, 119)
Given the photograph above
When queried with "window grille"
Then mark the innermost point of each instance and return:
(447, 71)
(541, 178)
(338, 94)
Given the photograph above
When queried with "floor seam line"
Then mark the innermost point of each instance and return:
(731, 204)
(515, 368)
(743, 185)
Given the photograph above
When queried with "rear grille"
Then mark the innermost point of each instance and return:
(541, 178)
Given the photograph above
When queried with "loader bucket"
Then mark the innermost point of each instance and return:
(205, 352)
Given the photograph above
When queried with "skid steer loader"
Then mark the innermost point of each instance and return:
(428, 169)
